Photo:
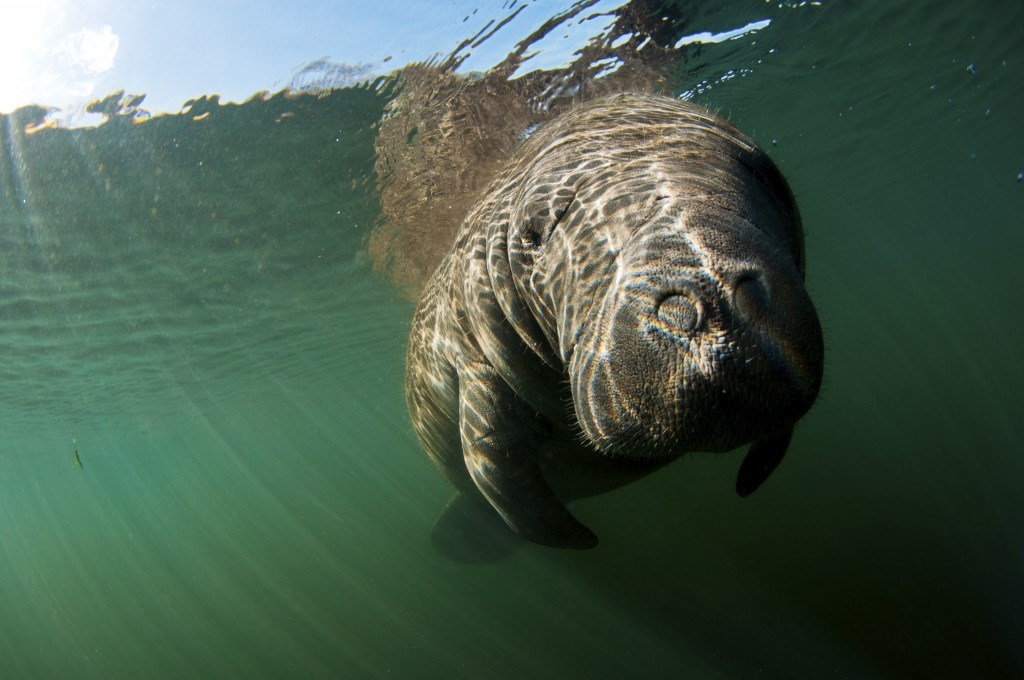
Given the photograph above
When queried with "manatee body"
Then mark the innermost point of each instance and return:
(629, 289)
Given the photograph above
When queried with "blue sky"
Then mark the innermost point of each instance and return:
(62, 53)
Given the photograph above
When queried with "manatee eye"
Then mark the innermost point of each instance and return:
(538, 227)
(530, 234)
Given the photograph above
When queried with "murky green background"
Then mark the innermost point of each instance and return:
(191, 301)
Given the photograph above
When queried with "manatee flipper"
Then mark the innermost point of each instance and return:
(470, 531)
(500, 438)
(762, 458)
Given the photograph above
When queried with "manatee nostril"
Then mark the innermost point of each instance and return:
(680, 312)
(750, 299)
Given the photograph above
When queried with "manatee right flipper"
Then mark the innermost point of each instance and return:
(761, 460)
(500, 438)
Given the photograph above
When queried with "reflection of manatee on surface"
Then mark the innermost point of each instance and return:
(446, 135)
(627, 290)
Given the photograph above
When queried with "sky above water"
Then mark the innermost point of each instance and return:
(61, 53)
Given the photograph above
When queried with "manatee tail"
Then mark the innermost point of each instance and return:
(469, 531)
(761, 460)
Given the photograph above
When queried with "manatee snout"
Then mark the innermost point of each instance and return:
(691, 352)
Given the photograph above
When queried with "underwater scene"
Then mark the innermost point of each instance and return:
(207, 463)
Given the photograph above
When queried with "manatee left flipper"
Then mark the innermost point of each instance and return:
(470, 531)
(761, 460)
(500, 438)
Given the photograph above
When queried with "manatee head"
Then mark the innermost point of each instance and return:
(660, 253)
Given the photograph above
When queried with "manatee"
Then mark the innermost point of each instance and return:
(629, 288)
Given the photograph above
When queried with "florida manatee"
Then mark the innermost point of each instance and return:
(628, 289)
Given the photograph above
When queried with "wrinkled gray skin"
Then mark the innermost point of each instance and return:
(629, 289)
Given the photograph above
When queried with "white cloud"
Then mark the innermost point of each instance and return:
(47, 60)
(92, 50)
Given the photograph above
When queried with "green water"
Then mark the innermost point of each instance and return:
(191, 301)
